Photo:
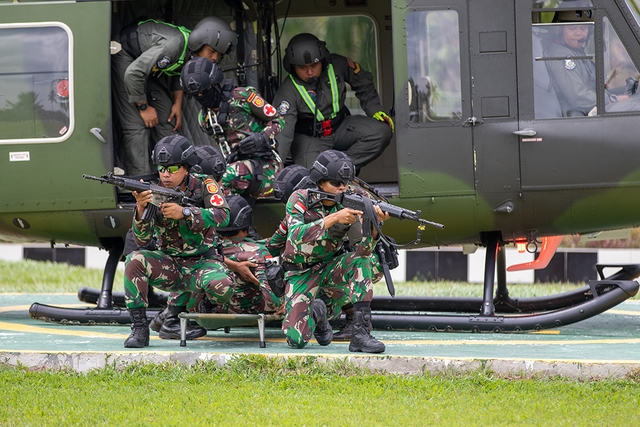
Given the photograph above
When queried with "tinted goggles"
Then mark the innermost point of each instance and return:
(337, 183)
(172, 169)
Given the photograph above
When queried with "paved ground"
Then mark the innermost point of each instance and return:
(607, 345)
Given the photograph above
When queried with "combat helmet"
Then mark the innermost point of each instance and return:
(201, 76)
(215, 32)
(332, 164)
(174, 150)
(210, 162)
(304, 49)
(240, 216)
(290, 179)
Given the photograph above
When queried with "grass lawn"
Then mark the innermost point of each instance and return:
(299, 391)
(260, 391)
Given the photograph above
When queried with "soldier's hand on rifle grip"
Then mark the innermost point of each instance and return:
(171, 210)
(142, 200)
(343, 216)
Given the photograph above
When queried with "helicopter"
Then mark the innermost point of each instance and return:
(481, 144)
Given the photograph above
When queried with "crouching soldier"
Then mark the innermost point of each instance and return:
(252, 291)
(321, 277)
(186, 258)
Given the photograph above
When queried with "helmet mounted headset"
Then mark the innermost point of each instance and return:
(305, 49)
(214, 32)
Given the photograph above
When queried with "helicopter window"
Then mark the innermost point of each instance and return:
(34, 84)
(567, 51)
(353, 36)
(433, 55)
(620, 72)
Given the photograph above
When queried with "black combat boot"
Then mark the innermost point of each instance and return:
(157, 322)
(170, 329)
(362, 339)
(345, 333)
(323, 332)
(139, 329)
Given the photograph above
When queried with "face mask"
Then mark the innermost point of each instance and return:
(211, 98)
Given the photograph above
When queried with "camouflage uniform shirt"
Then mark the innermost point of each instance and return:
(308, 243)
(193, 235)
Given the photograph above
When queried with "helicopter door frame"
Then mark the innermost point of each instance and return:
(432, 99)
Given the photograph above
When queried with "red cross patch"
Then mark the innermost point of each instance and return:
(269, 110)
(216, 200)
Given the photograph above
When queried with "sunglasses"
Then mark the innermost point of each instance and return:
(171, 169)
(337, 183)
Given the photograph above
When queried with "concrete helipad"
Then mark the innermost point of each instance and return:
(607, 345)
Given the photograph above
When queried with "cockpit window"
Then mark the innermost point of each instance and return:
(34, 84)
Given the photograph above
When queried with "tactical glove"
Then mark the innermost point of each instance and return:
(384, 117)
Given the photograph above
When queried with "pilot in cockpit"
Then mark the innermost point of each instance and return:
(571, 64)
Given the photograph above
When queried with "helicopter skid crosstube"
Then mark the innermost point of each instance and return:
(609, 294)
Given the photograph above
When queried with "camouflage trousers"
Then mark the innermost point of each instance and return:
(345, 279)
(145, 268)
(247, 298)
(238, 176)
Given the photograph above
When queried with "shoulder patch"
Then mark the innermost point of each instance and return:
(258, 102)
(283, 108)
(269, 110)
(212, 187)
(250, 98)
(216, 200)
(208, 181)
(300, 207)
(164, 61)
(569, 64)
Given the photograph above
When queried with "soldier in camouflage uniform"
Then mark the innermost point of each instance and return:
(186, 256)
(296, 177)
(242, 123)
(146, 84)
(321, 277)
(209, 162)
(252, 294)
(312, 103)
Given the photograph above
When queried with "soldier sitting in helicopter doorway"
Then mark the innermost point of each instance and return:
(242, 123)
(312, 101)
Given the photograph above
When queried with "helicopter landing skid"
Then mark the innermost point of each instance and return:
(104, 313)
(543, 312)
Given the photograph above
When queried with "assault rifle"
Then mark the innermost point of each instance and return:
(159, 194)
(352, 200)
(386, 247)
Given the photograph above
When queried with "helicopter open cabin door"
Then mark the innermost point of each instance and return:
(579, 111)
(55, 120)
